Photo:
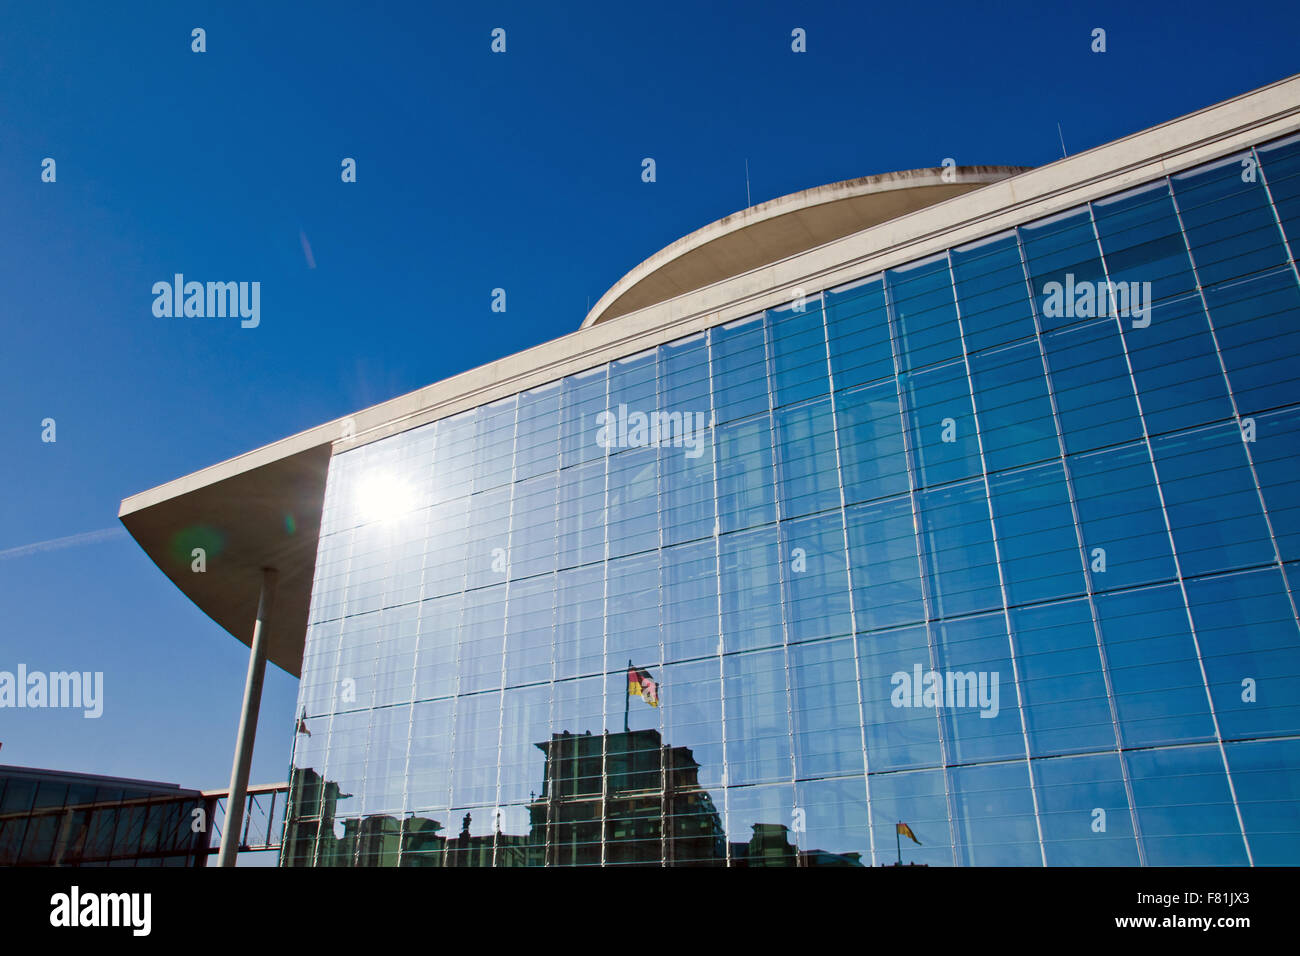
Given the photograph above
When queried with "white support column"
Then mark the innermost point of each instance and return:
(247, 723)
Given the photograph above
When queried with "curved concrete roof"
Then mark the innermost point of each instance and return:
(784, 227)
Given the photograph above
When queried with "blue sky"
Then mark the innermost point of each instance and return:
(474, 171)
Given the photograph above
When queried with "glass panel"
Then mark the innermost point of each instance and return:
(1229, 223)
(633, 510)
(858, 328)
(1257, 323)
(899, 734)
(921, 298)
(1176, 367)
(799, 369)
(758, 720)
(580, 622)
(1184, 808)
(1249, 642)
(1159, 693)
(751, 589)
(1281, 167)
(632, 593)
(745, 478)
(806, 459)
(582, 400)
(759, 825)
(1036, 536)
(1266, 777)
(835, 822)
(494, 443)
(958, 538)
(942, 421)
(1275, 451)
(581, 496)
(817, 593)
(994, 815)
(992, 293)
(824, 703)
(1124, 532)
(537, 446)
(917, 799)
(1143, 243)
(690, 602)
(1084, 812)
(1061, 680)
(530, 631)
(1064, 265)
(686, 476)
(975, 687)
(872, 456)
(738, 358)
(886, 576)
(1094, 394)
(1211, 500)
(1016, 423)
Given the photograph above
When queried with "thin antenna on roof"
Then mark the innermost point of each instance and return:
(1062, 135)
(748, 202)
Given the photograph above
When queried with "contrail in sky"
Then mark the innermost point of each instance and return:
(71, 541)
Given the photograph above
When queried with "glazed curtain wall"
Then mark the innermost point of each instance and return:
(959, 467)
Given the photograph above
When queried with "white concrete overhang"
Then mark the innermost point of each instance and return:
(242, 504)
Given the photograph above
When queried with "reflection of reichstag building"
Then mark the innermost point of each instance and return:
(655, 812)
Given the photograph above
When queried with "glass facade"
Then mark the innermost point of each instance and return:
(1002, 544)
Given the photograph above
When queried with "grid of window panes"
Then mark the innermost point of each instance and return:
(1094, 518)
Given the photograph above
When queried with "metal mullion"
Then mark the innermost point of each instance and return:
(1286, 244)
(717, 563)
(659, 512)
(388, 552)
(456, 696)
(1250, 458)
(415, 670)
(370, 711)
(497, 809)
(848, 568)
(769, 365)
(1277, 217)
(997, 557)
(922, 564)
(1111, 704)
(333, 508)
(334, 682)
(1164, 510)
(604, 643)
(548, 841)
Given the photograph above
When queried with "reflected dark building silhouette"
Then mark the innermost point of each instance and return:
(653, 813)
(771, 846)
(313, 803)
(655, 808)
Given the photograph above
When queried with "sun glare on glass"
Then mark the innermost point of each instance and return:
(384, 498)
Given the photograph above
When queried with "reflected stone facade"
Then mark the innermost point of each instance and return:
(1002, 543)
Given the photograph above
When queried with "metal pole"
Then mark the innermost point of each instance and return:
(247, 724)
